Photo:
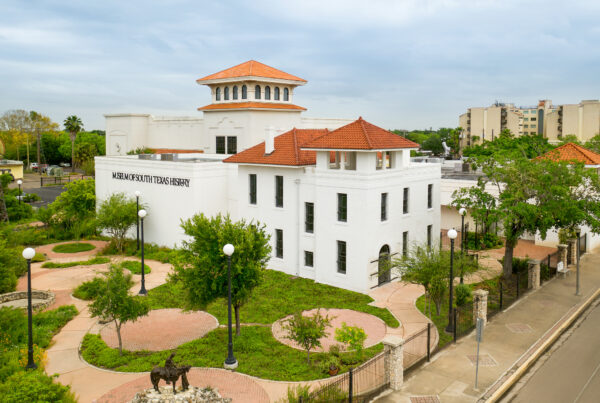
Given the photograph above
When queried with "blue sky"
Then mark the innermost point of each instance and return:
(399, 64)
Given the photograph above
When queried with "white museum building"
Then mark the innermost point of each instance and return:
(335, 195)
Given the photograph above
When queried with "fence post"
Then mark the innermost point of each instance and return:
(548, 264)
(480, 305)
(428, 341)
(41, 181)
(394, 361)
(533, 279)
(300, 399)
(500, 294)
(454, 330)
(350, 385)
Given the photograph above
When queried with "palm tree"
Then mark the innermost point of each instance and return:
(73, 125)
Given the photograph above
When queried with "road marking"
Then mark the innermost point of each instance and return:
(587, 383)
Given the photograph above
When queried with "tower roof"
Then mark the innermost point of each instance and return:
(251, 105)
(572, 152)
(250, 69)
(360, 135)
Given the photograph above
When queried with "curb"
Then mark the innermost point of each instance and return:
(535, 355)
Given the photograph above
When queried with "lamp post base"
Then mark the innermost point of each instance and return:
(230, 366)
(143, 293)
(33, 366)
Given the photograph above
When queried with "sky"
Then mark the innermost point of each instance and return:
(399, 64)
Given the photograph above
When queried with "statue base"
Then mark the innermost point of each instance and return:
(192, 395)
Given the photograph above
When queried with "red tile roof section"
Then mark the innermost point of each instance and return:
(250, 105)
(287, 150)
(251, 68)
(572, 152)
(360, 135)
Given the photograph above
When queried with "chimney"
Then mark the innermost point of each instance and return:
(269, 140)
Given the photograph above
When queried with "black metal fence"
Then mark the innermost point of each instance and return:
(548, 267)
(417, 347)
(505, 292)
(60, 180)
(359, 385)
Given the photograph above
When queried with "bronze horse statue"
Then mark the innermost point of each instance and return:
(170, 373)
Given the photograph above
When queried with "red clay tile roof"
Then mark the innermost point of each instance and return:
(287, 150)
(572, 152)
(250, 105)
(360, 135)
(249, 69)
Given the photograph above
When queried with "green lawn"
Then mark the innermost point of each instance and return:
(278, 296)
(96, 260)
(257, 351)
(73, 247)
(134, 266)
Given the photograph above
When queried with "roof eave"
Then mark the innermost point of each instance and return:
(240, 79)
(358, 149)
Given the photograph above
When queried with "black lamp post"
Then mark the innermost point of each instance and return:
(463, 236)
(578, 231)
(141, 214)
(137, 222)
(20, 182)
(28, 254)
(452, 235)
(230, 361)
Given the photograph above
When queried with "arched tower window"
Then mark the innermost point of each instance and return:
(244, 92)
(384, 265)
(235, 92)
(267, 92)
(276, 94)
(226, 94)
(218, 94)
(257, 92)
(286, 94)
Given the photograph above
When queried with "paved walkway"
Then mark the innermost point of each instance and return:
(509, 339)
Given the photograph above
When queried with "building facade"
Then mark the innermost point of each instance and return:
(338, 200)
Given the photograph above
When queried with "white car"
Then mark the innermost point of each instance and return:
(64, 164)
(34, 166)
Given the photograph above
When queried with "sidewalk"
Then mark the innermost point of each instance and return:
(450, 376)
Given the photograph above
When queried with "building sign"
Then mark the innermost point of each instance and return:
(159, 180)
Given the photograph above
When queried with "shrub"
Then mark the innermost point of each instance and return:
(74, 247)
(134, 266)
(307, 330)
(463, 293)
(518, 265)
(89, 290)
(353, 336)
(95, 260)
(116, 215)
(34, 386)
(484, 241)
(12, 266)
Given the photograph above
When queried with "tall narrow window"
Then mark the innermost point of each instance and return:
(218, 94)
(429, 196)
(231, 144)
(257, 92)
(308, 259)
(405, 243)
(309, 217)
(226, 93)
(405, 201)
(342, 210)
(267, 92)
(252, 187)
(429, 235)
(279, 243)
(235, 92)
(341, 257)
(384, 197)
(278, 191)
(244, 92)
(220, 144)
(276, 94)
(286, 94)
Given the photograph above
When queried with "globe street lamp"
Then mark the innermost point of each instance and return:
(452, 235)
(20, 182)
(141, 214)
(28, 254)
(463, 236)
(230, 361)
(137, 221)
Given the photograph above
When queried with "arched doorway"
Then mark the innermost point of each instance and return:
(384, 265)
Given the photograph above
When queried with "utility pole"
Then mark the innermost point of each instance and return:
(39, 161)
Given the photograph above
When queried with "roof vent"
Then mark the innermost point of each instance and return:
(269, 140)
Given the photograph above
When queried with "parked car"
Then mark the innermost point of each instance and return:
(65, 164)
(54, 170)
(33, 166)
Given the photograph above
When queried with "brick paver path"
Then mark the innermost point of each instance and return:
(162, 329)
(374, 327)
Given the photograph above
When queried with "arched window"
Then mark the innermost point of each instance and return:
(235, 92)
(276, 94)
(226, 94)
(257, 92)
(286, 94)
(384, 265)
(244, 92)
(267, 92)
(218, 94)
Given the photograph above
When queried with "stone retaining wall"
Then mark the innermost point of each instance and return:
(47, 298)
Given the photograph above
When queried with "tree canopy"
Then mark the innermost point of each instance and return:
(116, 215)
(508, 146)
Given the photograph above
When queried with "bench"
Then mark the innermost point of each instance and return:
(562, 269)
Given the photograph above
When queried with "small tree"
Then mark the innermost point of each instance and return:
(116, 215)
(307, 330)
(353, 336)
(115, 304)
(202, 266)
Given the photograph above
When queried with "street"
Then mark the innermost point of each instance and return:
(570, 371)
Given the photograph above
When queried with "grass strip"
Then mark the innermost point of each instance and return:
(96, 260)
(73, 247)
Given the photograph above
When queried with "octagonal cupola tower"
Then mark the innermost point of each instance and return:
(249, 101)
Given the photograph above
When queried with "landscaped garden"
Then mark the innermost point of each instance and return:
(74, 247)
